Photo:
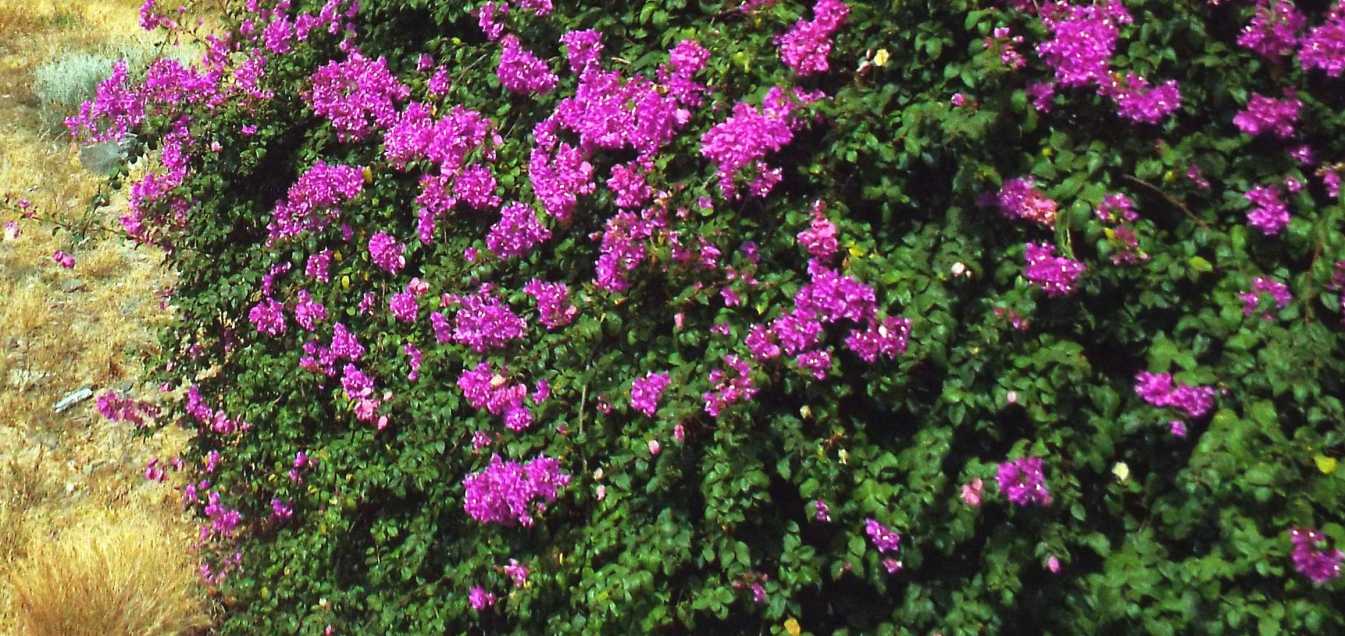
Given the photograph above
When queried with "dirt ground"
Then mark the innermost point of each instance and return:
(62, 330)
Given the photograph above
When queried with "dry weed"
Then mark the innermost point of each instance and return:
(110, 574)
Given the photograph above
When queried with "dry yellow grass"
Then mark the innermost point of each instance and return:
(111, 573)
(64, 558)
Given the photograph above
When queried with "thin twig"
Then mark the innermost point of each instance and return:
(1166, 197)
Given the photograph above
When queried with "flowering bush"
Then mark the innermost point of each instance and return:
(725, 317)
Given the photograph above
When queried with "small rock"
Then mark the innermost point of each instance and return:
(72, 398)
(72, 285)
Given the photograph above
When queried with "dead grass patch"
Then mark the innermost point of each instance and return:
(112, 573)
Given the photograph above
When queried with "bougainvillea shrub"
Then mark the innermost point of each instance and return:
(732, 317)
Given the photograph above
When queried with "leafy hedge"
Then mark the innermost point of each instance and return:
(992, 320)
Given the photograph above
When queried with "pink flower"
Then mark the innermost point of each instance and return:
(654, 447)
(1268, 115)
(1158, 390)
(1023, 482)
(805, 47)
(386, 252)
(517, 232)
(268, 316)
(1324, 46)
(646, 391)
(1055, 275)
(1053, 564)
(1139, 101)
(1274, 29)
(63, 259)
(479, 598)
(748, 135)
(281, 510)
(484, 322)
(1265, 287)
(883, 538)
(1083, 38)
(821, 512)
(1312, 558)
(820, 239)
(308, 312)
(488, 17)
(520, 71)
(154, 471)
(553, 303)
(508, 493)
(1020, 199)
(516, 572)
(971, 493)
(357, 95)
(1269, 213)
(582, 49)
(312, 203)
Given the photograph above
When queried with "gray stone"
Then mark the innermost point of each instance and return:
(72, 398)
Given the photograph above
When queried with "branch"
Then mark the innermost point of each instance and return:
(1166, 197)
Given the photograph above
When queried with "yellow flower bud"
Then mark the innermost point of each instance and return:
(1122, 471)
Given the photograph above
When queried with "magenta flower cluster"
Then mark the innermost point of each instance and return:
(478, 597)
(1083, 41)
(1324, 47)
(886, 338)
(387, 253)
(820, 239)
(1269, 115)
(115, 110)
(747, 136)
(646, 391)
(1137, 100)
(805, 47)
(484, 322)
(116, 407)
(358, 95)
(1312, 558)
(268, 317)
(609, 112)
(517, 232)
(887, 541)
(1274, 29)
(312, 203)
(1263, 287)
(487, 390)
(224, 521)
(1055, 275)
(1269, 213)
(1019, 198)
(729, 389)
(623, 246)
(521, 71)
(1023, 482)
(508, 493)
(553, 303)
(1158, 390)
